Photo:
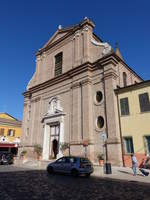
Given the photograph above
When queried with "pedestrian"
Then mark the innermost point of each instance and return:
(147, 162)
(142, 168)
(134, 164)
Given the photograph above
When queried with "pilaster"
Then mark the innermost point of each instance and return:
(113, 134)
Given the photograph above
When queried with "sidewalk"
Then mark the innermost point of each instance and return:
(121, 173)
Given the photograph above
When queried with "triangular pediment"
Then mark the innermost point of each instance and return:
(7, 116)
(60, 33)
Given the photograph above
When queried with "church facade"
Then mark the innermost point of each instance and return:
(71, 97)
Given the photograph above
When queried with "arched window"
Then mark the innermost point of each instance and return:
(124, 79)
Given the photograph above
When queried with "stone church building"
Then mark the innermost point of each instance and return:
(71, 98)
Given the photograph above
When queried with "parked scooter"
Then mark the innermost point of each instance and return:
(6, 158)
(4, 161)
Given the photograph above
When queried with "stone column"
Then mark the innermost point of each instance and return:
(46, 142)
(61, 138)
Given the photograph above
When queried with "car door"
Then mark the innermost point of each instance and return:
(59, 164)
(67, 165)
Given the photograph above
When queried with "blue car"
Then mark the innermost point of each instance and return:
(71, 165)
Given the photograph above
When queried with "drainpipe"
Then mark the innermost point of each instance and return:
(81, 110)
(105, 114)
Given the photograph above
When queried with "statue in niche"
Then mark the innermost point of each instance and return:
(54, 107)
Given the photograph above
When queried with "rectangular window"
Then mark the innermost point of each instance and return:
(147, 144)
(1, 131)
(58, 64)
(144, 102)
(128, 144)
(11, 132)
(124, 105)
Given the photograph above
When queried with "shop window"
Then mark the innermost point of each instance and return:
(124, 105)
(144, 102)
(128, 145)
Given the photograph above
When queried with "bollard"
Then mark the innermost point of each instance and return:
(107, 167)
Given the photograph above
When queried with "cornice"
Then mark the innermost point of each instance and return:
(88, 66)
(133, 87)
(110, 74)
(81, 83)
(67, 75)
(8, 122)
(86, 81)
(35, 99)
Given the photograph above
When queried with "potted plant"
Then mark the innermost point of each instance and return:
(101, 159)
(64, 146)
(23, 154)
(38, 151)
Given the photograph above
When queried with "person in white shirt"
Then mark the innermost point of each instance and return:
(134, 164)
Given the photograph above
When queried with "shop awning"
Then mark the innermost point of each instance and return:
(8, 145)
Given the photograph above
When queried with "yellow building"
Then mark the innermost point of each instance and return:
(10, 133)
(134, 115)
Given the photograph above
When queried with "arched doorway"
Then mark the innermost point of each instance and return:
(55, 147)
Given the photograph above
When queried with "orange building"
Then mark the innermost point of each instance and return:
(10, 133)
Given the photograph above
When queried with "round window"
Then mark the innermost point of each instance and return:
(100, 122)
(99, 96)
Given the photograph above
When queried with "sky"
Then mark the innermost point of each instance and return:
(26, 25)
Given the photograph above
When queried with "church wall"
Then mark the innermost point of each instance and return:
(77, 49)
(77, 96)
(131, 77)
(95, 51)
(98, 110)
(46, 61)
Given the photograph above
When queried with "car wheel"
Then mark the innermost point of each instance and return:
(74, 173)
(50, 170)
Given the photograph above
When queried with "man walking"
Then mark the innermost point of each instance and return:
(134, 164)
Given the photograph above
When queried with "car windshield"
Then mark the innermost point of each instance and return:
(84, 160)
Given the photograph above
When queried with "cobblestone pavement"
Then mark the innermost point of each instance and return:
(26, 184)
